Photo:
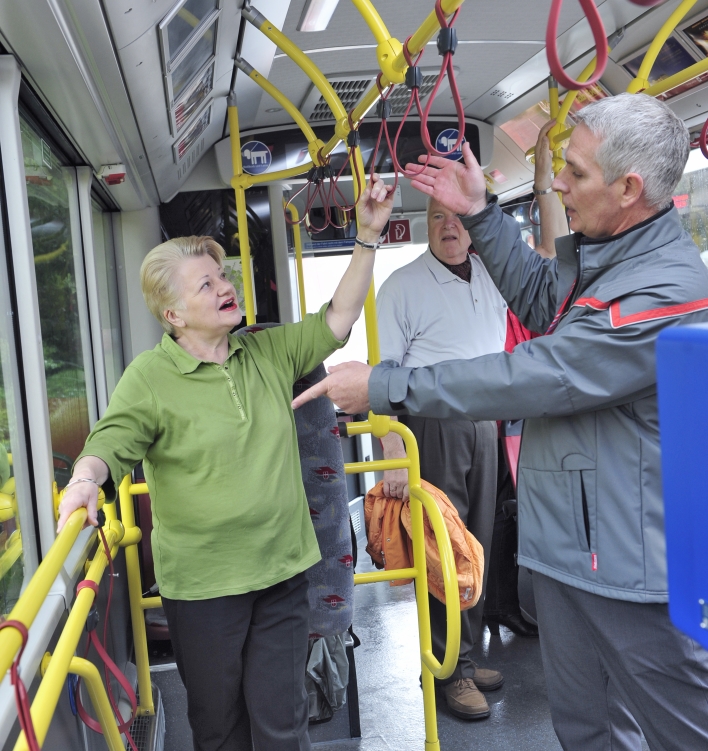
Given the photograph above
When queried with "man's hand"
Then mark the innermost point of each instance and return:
(459, 186)
(543, 159)
(347, 386)
(395, 483)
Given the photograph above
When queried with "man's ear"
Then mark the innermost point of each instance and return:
(173, 318)
(632, 186)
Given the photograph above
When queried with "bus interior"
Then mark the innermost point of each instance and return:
(124, 123)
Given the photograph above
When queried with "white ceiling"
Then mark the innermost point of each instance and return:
(96, 63)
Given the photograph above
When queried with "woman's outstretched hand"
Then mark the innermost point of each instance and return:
(374, 209)
(459, 186)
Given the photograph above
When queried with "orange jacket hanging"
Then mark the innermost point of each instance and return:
(388, 530)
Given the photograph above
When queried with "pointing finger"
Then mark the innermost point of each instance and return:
(314, 392)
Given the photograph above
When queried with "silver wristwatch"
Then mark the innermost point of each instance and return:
(545, 192)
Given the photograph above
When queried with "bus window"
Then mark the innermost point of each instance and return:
(691, 200)
(65, 355)
(322, 275)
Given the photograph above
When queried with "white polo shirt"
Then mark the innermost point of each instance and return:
(426, 314)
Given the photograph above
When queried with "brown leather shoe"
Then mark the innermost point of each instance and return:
(464, 700)
(487, 680)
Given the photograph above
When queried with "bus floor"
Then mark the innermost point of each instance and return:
(390, 699)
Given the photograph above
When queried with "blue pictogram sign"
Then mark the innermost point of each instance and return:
(256, 157)
(446, 141)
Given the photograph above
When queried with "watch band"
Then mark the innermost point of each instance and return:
(545, 192)
(369, 246)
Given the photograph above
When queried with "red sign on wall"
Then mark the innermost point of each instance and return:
(399, 231)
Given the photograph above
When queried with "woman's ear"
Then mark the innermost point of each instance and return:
(174, 319)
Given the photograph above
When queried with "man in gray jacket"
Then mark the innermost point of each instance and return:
(591, 517)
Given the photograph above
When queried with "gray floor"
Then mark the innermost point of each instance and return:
(391, 702)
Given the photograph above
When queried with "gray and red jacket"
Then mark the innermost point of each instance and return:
(591, 512)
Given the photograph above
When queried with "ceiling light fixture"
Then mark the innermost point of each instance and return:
(316, 14)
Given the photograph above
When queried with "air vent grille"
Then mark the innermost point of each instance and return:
(351, 89)
(348, 91)
(401, 95)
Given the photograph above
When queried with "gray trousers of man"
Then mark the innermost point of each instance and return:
(242, 660)
(460, 458)
(613, 667)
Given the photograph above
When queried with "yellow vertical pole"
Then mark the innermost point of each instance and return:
(135, 595)
(372, 329)
(555, 109)
(237, 184)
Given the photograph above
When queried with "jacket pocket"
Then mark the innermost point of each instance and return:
(580, 511)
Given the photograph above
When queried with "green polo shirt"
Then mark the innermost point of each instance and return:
(220, 454)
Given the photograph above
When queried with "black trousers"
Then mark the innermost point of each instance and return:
(242, 660)
(460, 458)
(503, 579)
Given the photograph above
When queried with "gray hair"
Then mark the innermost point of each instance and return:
(642, 135)
(157, 273)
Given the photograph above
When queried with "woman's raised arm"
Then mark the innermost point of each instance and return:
(373, 210)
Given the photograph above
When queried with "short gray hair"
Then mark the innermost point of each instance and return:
(642, 135)
(157, 273)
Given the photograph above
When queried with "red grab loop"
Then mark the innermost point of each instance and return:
(646, 3)
(448, 68)
(22, 701)
(110, 668)
(598, 32)
(703, 140)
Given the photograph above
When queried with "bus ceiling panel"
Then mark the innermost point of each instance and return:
(172, 171)
(130, 19)
(571, 44)
(75, 74)
(260, 53)
(496, 20)
(170, 156)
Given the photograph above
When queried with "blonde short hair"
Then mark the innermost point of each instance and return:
(158, 270)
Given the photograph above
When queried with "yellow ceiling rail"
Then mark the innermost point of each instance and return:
(302, 60)
(297, 241)
(283, 174)
(641, 82)
(677, 79)
(314, 144)
(393, 65)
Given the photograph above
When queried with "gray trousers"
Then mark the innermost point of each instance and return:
(242, 660)
(613, 667)
(460, 458)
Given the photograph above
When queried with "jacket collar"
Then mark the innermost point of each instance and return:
(444, 275)
(654, 232)
(186, 363)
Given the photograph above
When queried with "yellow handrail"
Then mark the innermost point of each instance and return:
(54, 679)
(677, 79)
(31, 600)
(297, 241)
(641, 81)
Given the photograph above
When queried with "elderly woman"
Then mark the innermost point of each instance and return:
(209, 415)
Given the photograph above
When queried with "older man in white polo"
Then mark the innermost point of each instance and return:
(591, 514)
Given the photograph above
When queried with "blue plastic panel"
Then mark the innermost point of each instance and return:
(682, 371)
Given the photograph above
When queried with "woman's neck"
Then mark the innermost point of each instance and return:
(209, 350)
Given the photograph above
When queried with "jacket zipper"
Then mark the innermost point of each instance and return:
(586, 512)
